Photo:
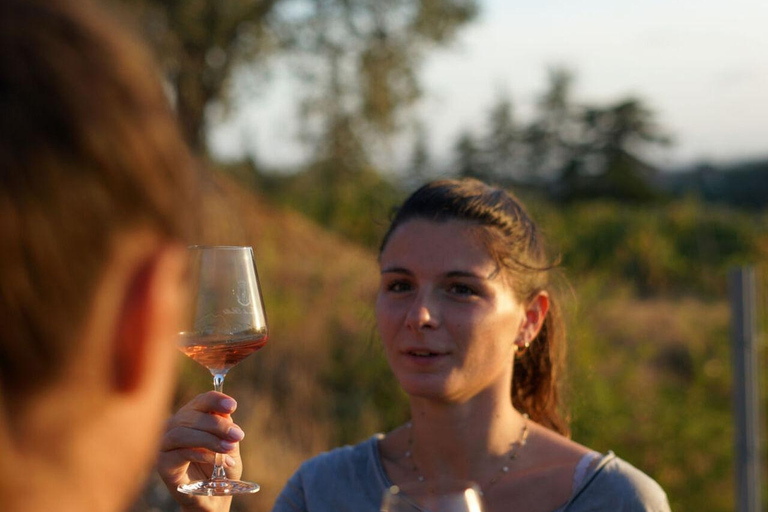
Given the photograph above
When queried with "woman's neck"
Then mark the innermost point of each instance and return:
(468, 440)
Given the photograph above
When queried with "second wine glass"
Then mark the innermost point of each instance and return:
(226, 324)
(433, 496)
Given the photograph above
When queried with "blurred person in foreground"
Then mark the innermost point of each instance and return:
(472, 330)
(95, 191)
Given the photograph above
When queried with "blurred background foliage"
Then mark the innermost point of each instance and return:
(645, 251)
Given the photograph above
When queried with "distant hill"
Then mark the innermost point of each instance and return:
(742, 184)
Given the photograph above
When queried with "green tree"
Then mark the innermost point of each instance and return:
(605, 161)
(376, 44)
(420, 165)
(579, 150)
(550, 137)
(470, 161)
(504, 143)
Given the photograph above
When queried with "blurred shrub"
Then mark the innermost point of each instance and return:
(680, 247)
(650, 380)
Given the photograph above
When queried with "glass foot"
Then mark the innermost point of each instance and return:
(218, 487)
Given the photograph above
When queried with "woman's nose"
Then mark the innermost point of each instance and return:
(421, 315)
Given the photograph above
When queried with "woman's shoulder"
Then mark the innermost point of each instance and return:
(344, 460)
(344, 479)
(615, 484)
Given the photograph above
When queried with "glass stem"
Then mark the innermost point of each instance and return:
(218, 466)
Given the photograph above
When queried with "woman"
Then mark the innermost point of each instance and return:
(465, 314)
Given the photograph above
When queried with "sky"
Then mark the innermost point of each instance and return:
(700, 65)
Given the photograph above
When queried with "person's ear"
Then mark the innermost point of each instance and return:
(535, 313)
(148, 317)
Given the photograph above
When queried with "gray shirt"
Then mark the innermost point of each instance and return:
(352, 479)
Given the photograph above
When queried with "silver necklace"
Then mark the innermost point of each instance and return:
(514, 451)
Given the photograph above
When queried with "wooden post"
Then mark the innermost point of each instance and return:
(742, 286)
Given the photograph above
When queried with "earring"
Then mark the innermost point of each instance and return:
(521, 347)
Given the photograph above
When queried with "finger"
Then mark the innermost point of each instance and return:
(221, 426)
(178, 458)
(212, 402)
(185, 437)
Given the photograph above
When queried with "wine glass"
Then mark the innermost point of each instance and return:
(227, 323)
(433, 496)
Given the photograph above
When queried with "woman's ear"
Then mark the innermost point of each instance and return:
(148, 317)
(535, 313)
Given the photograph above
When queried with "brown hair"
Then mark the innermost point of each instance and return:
(516, 244)
(89, 148)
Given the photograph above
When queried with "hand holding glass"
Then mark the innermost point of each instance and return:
(227, 323)
(433, 496)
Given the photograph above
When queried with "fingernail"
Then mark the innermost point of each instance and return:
(235, 434)
(227, 446)
(229, 461)
(228, 404)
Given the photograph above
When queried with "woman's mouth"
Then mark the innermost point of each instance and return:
(421, 353)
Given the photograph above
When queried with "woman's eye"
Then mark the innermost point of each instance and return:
(461, 289)
(398, 286)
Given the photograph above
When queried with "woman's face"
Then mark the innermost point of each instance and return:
(447, 316)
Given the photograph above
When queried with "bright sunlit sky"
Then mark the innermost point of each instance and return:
(700, 65)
